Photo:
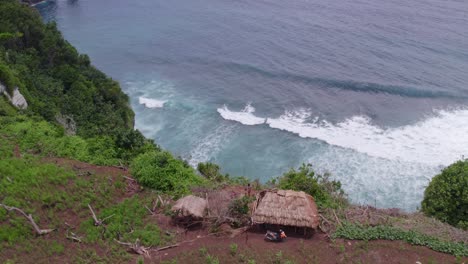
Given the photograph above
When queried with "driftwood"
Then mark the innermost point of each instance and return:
(30, 219)
(98, 222)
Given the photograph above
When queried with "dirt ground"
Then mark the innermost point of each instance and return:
(200, 247)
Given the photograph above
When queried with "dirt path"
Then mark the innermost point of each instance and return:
(318, 249)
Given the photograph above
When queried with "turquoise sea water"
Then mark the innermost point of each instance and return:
(374, 92)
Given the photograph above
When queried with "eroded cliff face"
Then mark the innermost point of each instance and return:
(16, 98)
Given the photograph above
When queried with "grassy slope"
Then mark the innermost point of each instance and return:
(58, 197)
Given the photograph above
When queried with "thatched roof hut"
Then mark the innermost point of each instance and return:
(190, 206)
(288, 208)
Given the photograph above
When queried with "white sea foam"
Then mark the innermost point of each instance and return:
(207, 147)
(245, 116)
(376, 181)
(437, 140)
(151, 103)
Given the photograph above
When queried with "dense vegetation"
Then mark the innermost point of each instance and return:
(446, 197)
(55, 79)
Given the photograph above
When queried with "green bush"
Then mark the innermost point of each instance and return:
(327, 193)
(161, 171)
(354, 231)
(446, 197)
(211, 171)
(6, 109)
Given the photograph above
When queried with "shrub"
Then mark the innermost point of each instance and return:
(161, 171)
(239, 211)
(354, 231)
(327, 193)
(211, 171)
(233, 249)
(446, 197)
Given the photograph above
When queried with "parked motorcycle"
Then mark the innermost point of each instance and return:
(275, 236)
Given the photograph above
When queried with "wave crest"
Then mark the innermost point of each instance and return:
(245, 116)
(437, 140)
(151, 103)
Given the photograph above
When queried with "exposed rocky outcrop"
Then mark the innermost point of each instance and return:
(16, 99)
(67, 123)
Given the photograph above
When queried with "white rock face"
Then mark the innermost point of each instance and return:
(17, 99)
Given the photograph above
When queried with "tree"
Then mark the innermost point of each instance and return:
(446, 197)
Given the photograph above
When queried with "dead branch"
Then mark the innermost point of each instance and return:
(324, 219)
(164, 248)
(30, 219)
(337, 219)
(73, 237)
(69, 226)
(161, 201)
(123, 243)
(149, 210)
(136, 247)
(98, 222)
(130, 179)
(86, 173)
(102, 221)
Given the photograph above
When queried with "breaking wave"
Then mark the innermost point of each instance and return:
(245, 116)
(437, 140)
(151, 103)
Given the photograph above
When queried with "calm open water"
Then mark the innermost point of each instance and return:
(373, 91)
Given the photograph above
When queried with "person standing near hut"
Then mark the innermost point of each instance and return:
(248, 190)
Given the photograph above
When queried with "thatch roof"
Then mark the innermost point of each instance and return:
(288, 208)
(190, 206)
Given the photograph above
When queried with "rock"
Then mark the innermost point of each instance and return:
(67, 122)
(17, 99)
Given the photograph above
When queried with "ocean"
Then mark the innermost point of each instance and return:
(373, 91)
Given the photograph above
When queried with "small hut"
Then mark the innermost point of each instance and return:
(285, 208)
(189, 210)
